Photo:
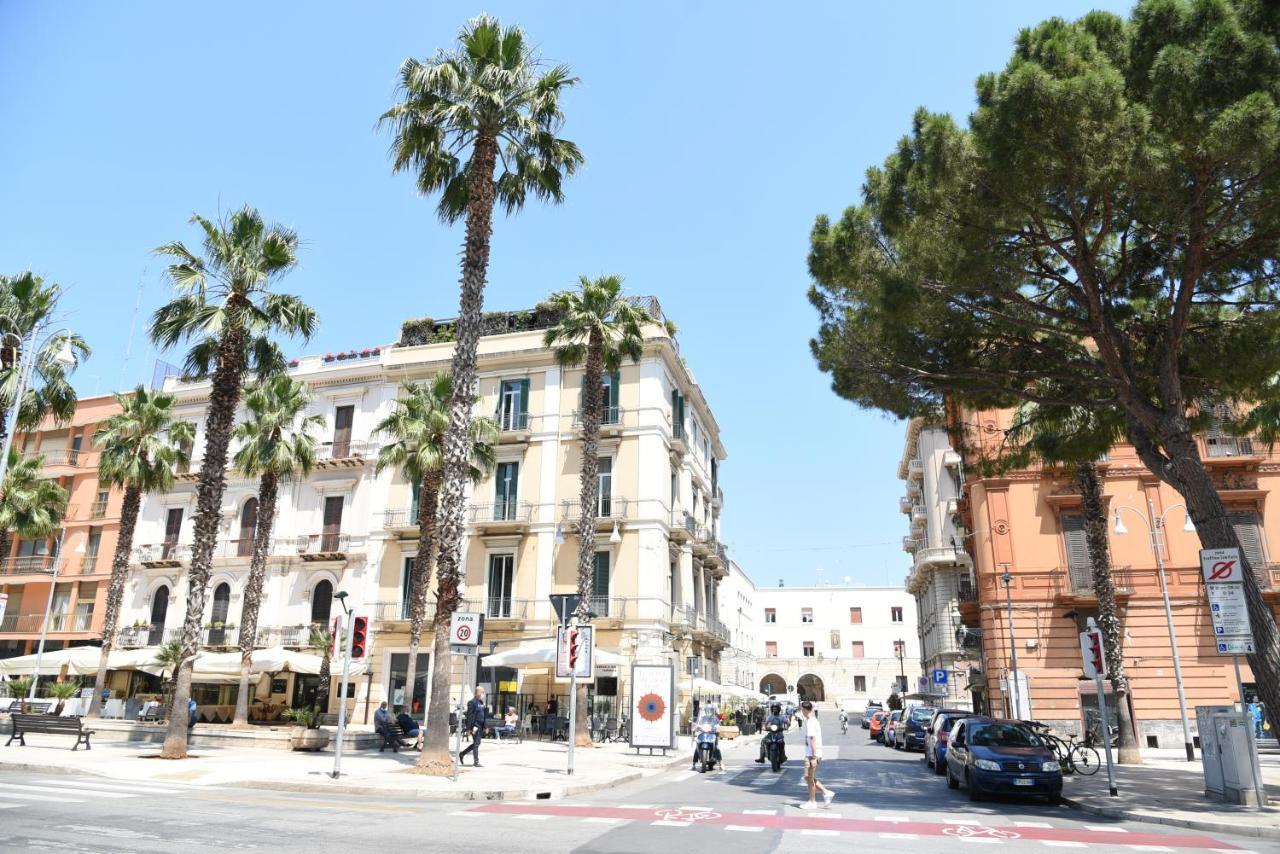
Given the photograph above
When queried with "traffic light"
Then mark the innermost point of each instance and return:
(359, 636)
(573, 648)
(1095, 662)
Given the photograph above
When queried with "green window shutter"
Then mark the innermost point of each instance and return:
(1077, 545)
(524, 402)
(600, 576)
(417, 496)
(615, 383)
(1245, 523)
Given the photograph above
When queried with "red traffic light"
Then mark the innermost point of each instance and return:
(573, 649)
(1095, 658)
(359, 636)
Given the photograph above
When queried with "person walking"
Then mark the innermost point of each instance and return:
(813, 757)
(473, 725)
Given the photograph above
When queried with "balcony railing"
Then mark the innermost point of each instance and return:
(299, 636)
(28, 564)
(310, 545)
(909, 544)
(512, 422)
(162, 552)
(498, 607)
(966, 590)
(1228, 446)
(59, 457)
(610, 416)
(351, 449)
(610, 507)
(384, 612)
(1079, 580)
(98, 509)
(21, 623)
(220, 637)
(501, 511)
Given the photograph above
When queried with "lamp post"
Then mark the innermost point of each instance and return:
(1007, 578)
(1155, 526)
(48, 609)
(26, 366)
(341, 596)
(902, 667)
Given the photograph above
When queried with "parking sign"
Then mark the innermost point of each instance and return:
(939, 677)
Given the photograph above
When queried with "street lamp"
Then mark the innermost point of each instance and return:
(902, 667)
(1155, 526)
(1007, 578)
(65, 357)
(341, 596)
(48, 610)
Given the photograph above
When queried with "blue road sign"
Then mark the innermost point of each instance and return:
(939, 677)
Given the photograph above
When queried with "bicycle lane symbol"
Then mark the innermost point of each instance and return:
(685, 816)
(966, 831)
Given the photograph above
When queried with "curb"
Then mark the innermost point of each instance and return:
(1258, 831)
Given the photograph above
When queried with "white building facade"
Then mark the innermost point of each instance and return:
(837, 645)
(739, 615)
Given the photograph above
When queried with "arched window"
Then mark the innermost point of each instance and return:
(321, 602)
(248, 525)
(221, 604)
(159, 611)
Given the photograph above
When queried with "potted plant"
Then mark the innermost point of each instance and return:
(728, 725)
(63, 691)
(19, 689)
(307, 735)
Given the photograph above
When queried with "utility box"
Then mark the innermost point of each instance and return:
(1230, 756)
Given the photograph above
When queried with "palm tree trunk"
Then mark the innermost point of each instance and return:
(428, 496)
(268, 487)
(1095, 528)
(435, 757)
(324, 686)
(115, 590)
(223, 398)
(589, 499)
(6, 540)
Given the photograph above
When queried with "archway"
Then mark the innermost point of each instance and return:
(321, 602)
(248, 527)
(221, 604)
(773, 684)
(810, 688)
(159, 612)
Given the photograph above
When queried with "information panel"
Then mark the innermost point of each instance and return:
(653, 695)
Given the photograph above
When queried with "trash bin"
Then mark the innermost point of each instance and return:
(1230, 756)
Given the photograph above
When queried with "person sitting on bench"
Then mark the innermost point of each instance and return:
(409, 727)
(382, 726)
(510, 722)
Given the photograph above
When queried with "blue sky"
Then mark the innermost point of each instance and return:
(714, 133)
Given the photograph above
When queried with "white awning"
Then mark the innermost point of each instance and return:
(210, 666)
(541, 652)
(79, 661)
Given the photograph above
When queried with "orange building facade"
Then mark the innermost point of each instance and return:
(82, 560)
(1028, 523)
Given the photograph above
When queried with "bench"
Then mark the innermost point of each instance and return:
(25, 723)
(392, 738)
(15, 706)
(492, 725)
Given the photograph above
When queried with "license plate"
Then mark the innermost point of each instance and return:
(1022, 781)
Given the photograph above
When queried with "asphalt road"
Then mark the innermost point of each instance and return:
(886, 802)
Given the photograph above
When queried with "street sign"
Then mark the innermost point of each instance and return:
(465, 628)
(586, 653)
(565, 604)
(1228, 608)
(939, 677)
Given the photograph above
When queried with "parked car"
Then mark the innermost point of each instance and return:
(911, 732)
(873, 706)
(991, 756)
(875, 726)
(891, 728)
(935, 744)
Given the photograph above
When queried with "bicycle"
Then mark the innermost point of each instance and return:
(1074, 757)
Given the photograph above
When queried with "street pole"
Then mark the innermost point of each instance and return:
(1007, 578)
(573, 702)
(1104, 724)
(342, 692)
(902, 666)
(1157, 525)
(48, 609)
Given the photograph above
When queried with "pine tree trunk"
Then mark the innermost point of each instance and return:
(435, 757)
(268, 488)
(1095, 528)
(589, 499)
(1185, 472)
(223, 397)
(428, 497)
(115, 590)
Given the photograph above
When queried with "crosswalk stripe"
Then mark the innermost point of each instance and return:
(50, 798)
(1032, 824)
(983, 839)
(533, 817)
(808, 832)
(1062, 843)
(64, 789)
(687, 775)
(1105, 828)
(469, 813)
(596, 819)
(744, 828)
(1150, 848)
(114, 785)
(893, 818)
(899, 836)
(670, 823)
(9, 806)
(759, 812)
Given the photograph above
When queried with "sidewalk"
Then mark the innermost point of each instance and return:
(1166, 789)
(509, 771)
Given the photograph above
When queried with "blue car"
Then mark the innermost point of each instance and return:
(939, 730)
(912, 731)
(1003, 757)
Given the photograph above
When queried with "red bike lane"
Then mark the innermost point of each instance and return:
(674, 816)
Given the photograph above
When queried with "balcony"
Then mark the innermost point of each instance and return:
(498, 608)
(717, 497)
(611, 420)
(28, 565)
(512, 426)
(348, 454)
(909, 544)
(158, 555)
(297, 637)
(905, 504)
(679, 440)
(326, 547)
(509, 517)
(220, 638)
(704, 541)
(919, 515)
(403, 522)
(943, 556)
(1074, 584)
(387, 613)
(682, 526)
(58, 458)
(609, 510)
(134, 637)
(915, 470)
(98, 509)
(1226, 450)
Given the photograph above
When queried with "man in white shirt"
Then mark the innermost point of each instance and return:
(813, 757)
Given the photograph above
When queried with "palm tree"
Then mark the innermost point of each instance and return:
(1078, 437)
(322, 638)
(227, 312)
(273, 449)
(28, 305)
(30, 506)
(418, 427)
(600, 326)
(491, 98)
(142, 445)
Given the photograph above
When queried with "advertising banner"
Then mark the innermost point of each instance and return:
(653, 698)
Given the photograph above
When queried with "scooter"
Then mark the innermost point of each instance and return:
(708, 747)
(775, 747)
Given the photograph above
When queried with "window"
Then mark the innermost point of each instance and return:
(860, 684)
(501, 580)
(895, 614)
(342, 419)
(770, 649)
(99, 508)
(159, 611)
(74, 456)
(604, 487)
(677, 414)
(859, 650)
(331, 534)
(610, 413)
(322, 602)
(513, 405)
(172, 530)
(91, 549)
(1077, 548)
(84, 607)
(899, 648)
(221, 605)
(600, 585)
(770, 615)
(835, 639)
(406, 588)
(506, 485)
(1248, 532)
(855, 615)
(806, 615)
(808, 649)
(248, 526)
